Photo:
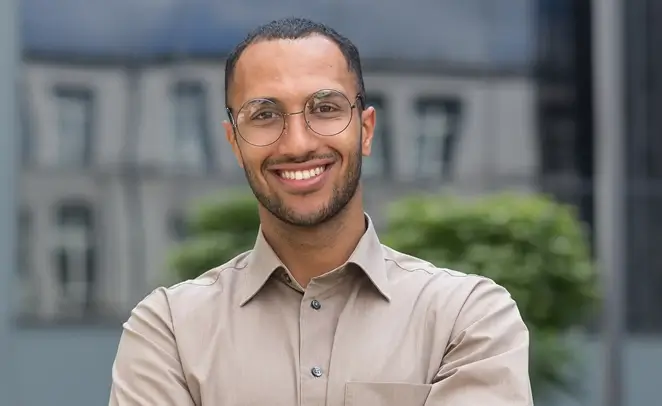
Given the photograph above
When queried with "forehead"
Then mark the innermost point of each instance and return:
(290, 70)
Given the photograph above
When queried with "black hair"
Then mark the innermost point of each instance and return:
(296, 28)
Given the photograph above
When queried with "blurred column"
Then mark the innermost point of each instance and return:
(609, 96)
(8, 174)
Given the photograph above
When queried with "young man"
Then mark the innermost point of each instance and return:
(319, 312)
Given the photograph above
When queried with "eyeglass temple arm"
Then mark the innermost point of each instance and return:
(228, 110)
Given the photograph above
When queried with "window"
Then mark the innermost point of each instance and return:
(559, 140)
(27, 297)
(556, 39)
(177, 226)
(74, 128)
(75, 264)
(378, 164)
(191, 144)
(25, 128)
(566, 158)
(438, 134)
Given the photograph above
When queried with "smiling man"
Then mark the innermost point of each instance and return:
(319, 312)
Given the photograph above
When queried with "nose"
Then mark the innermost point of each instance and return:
(297, 139)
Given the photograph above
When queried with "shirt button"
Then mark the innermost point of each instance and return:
(316, 371)
(315, 304)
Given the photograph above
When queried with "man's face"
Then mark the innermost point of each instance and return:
(303, 178)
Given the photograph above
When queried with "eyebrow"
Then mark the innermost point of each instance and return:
(271, 99)
(280, 102)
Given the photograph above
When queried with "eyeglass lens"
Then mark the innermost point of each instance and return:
(262, 121)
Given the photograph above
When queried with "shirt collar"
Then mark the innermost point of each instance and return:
(263, 262)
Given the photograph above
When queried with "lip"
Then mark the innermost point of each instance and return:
(302, 186)
(302, 166)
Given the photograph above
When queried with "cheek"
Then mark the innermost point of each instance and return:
(347, 143)
(348, 149)
(252, 159)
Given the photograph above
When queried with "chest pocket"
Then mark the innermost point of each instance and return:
(386, 394)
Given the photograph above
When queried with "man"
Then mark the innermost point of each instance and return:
(319, 312)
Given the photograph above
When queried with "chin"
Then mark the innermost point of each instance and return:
(305, 214)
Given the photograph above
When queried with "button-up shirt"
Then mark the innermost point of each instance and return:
(385, 329)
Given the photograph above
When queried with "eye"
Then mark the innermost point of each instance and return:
(324, 108)
(264, 115)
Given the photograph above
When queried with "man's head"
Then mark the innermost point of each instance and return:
(294, 93)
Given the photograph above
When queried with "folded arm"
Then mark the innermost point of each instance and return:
(147, 370)
(487, 360)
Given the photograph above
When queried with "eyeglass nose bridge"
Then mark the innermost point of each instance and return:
(296, 113)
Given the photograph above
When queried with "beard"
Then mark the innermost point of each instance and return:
(340, 197)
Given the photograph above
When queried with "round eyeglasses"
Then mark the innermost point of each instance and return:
(261, 122)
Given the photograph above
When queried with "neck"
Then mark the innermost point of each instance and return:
(300, 248)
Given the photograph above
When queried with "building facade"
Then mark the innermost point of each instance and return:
(115, 150)
(643, 69)
(114, 153)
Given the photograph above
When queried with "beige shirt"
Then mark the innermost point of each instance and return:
(386, 329)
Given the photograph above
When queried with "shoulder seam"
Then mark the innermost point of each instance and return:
(212, 283)
(444, 270)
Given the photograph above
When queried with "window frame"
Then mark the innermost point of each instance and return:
(87, 95)
(90, 272)
(454, 107)
(177, 225)
(179, 89)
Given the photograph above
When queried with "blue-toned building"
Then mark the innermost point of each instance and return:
(118, 132)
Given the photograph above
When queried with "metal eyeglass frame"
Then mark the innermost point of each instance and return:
(358, 98)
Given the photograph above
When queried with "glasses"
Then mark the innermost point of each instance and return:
(261, 122)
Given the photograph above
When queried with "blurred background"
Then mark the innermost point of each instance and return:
(110, 130)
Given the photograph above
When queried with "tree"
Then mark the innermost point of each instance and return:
(531, 245)
(219, 231)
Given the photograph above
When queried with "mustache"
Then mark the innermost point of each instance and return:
(298, 159)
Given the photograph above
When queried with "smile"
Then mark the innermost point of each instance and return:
(303, 179)
(302, 175)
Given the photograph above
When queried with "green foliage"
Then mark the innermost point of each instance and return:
(531, 245)
(220, 230)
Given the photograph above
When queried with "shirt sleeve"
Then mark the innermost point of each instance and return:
(487, 359)
(147, 370)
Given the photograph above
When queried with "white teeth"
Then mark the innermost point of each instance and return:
(302, 175)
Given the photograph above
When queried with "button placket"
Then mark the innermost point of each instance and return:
(316, 342)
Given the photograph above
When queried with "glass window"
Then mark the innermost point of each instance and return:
(191, 144)
(28, 296)
(559, 141)
(74, 136)
(177, 226)
(438, 134)
(378, 164)
(23, 246)
(25, 127)
(556, 35)
(75, 264)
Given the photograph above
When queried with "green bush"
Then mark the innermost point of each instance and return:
(220, 230)
(529, 244)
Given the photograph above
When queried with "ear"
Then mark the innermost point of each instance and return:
(232, 140)
(368, 120)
